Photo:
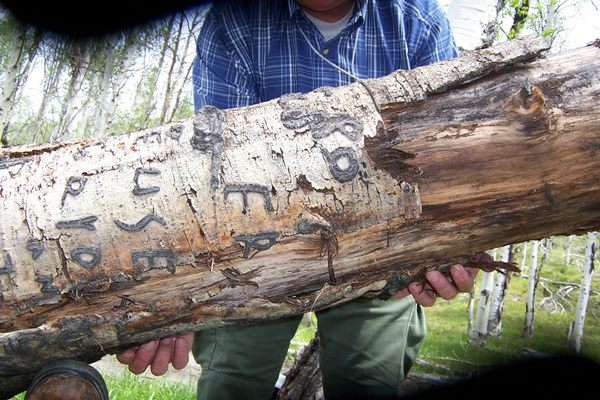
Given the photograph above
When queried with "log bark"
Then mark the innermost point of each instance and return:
(292, 205)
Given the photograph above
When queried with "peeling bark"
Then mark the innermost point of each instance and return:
(292, 205)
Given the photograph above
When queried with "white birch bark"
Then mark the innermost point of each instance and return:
(499, 290)
(568, 249)
(480, 329)
(105, 89)
(171, 79)
(523, 266)
(80, 65)
(576, 333)
(528, 330)
(474, 23)
(11, 77)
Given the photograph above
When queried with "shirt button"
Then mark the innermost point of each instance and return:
(326, 50)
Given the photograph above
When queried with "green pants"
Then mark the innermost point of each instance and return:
(367, 348)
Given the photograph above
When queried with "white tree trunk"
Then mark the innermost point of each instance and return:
(499, 291)
(171, 78)
(533, 281)
(474, 23)
(480, 330)
(80, 65)
(106, 89)
(11, 77)
(524, 259)
(576, 334)
(568, 250)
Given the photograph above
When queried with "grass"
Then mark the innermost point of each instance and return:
(446, 347)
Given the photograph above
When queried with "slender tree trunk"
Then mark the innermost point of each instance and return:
(480, 330)
(183, 227)
(10, 86)
(576, 334)
(521, 12)
(106, 88)
(534, 274)
(151, 100)
(524, 259)
(568, 250)
(501, 281)
(52, 71)
(170, 74)
(80, 63)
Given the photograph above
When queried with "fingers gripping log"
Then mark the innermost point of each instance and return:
(290, 205)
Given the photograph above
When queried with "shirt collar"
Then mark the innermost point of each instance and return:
(294, 8)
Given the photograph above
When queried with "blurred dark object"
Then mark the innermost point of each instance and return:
(89, 19)
(539, 377)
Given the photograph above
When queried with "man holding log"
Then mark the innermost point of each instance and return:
(253, 51)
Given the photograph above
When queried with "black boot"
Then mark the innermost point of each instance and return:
(67, 380)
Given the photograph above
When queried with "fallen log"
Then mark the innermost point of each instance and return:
(291, 205)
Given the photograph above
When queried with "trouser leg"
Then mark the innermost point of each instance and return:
(368, 346)
(242, 362)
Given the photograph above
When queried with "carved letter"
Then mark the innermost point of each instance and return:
(244, 189)
(75, 186)
(208, 136)
(47, 284)
(141, 224)
(342, 173)
(87, 257)
(36, 247)
(260, 241)
(8, 265)
(83, 223)
(140, 191)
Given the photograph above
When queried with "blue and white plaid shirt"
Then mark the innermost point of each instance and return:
(253, 51)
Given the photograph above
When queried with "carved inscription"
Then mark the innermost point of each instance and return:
(7, 162)
(246, 188)
(47, 282)
(259, 241)
(343, 163)
(75, 186)
(9, 267)
(36, 247)
(208, 137)
(83, 223)
(147, 260)
(141, 224)
(87, 257)
(137, 189)
(323, 125)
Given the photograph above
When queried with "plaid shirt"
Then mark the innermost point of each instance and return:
(253, 51)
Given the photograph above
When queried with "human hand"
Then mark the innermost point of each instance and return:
(461, 279)
(158, 354)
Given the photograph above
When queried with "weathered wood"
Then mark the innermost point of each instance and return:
(294, 204)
